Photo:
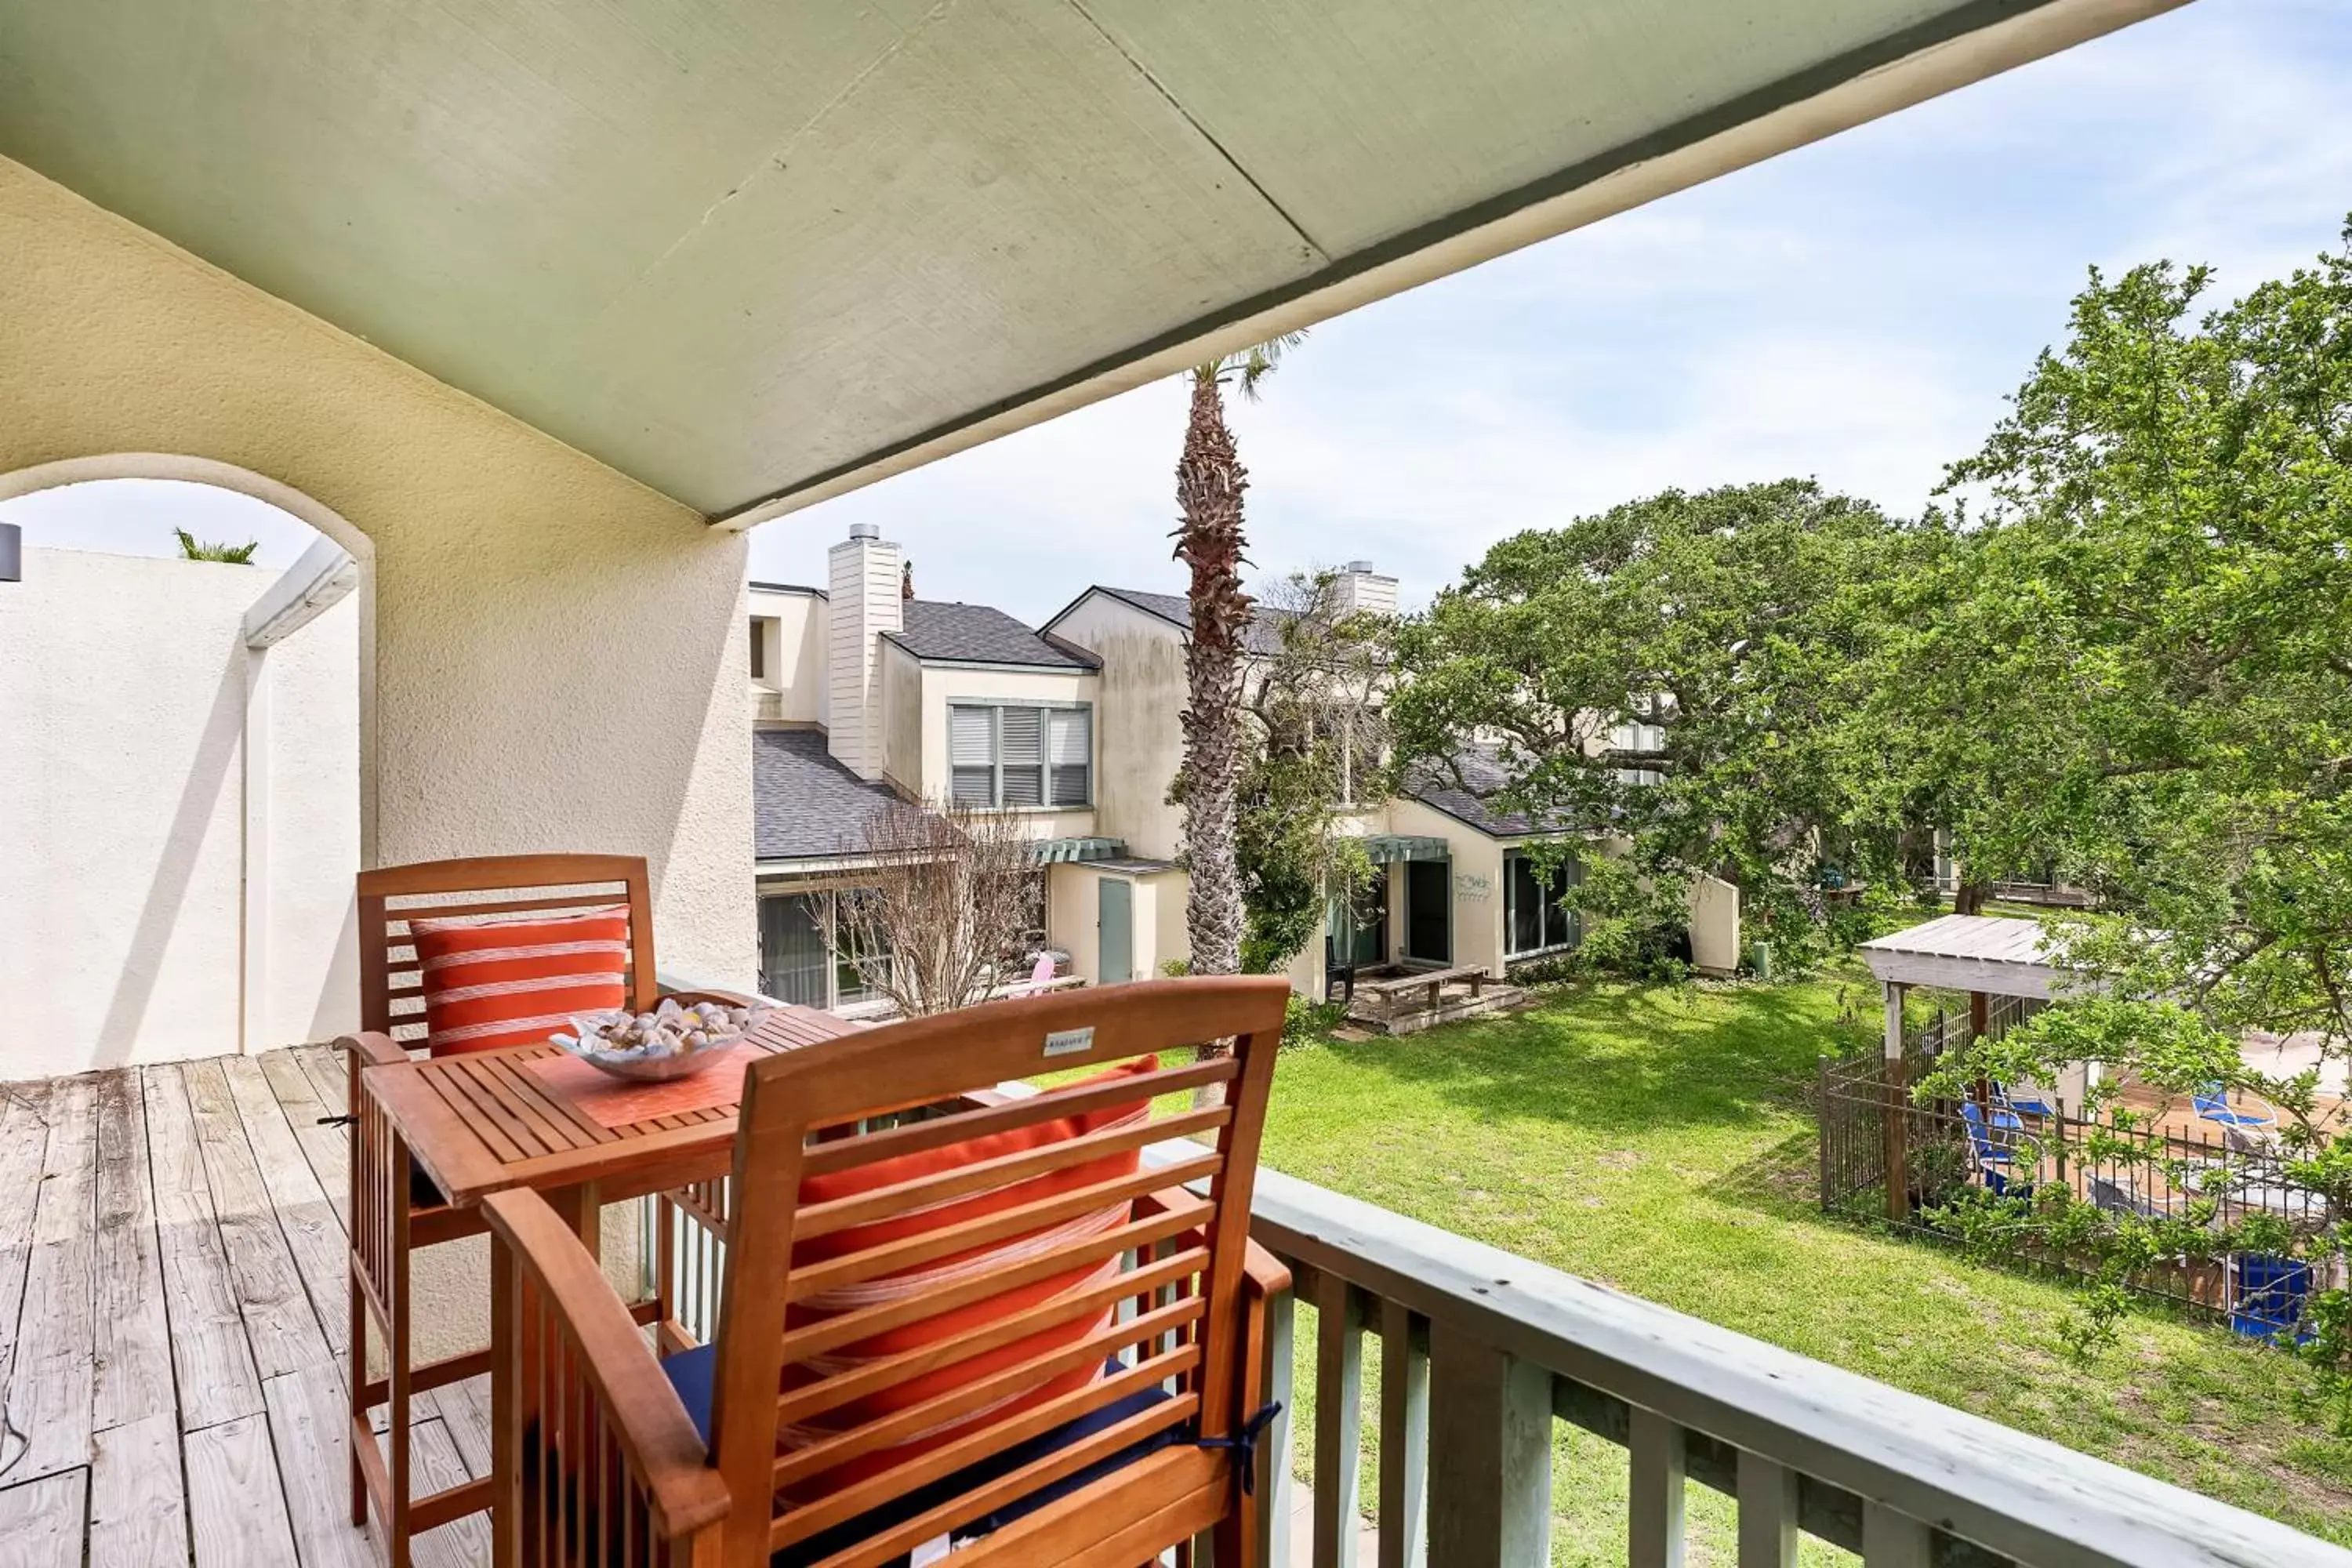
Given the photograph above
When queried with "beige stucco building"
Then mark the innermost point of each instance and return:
(861, 693)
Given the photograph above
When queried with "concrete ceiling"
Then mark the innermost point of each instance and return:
(757, 252)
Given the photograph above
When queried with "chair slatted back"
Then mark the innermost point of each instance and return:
(392, 990)
(1161, 1285)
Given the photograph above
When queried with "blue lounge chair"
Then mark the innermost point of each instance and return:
(2025, 1099)
(2212, 1103)
(1993, 1143)
(2266, 1295)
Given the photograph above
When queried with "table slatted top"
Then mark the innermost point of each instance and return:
(484, 1121)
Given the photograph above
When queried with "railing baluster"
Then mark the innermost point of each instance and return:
(1489, 1455)
(1339, 1420)
(1891, 1540)
(1404, 1440)
(1276, 1489)
(1654, 1493)
(1768, 1514)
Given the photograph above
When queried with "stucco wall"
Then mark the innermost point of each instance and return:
(1171, 940)
(1073, 905)
(1476, 870)
(124, 692)
(793, 690)
(1139, 733)
(557, 652)
(902, 724)
(1714, 925)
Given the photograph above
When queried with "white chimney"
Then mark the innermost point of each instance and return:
(861, 603)
(1357, 589)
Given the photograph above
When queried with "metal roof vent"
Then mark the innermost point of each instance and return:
(865, 531)
(1356, 566)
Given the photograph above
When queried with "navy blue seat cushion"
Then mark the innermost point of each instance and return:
(691, 1372)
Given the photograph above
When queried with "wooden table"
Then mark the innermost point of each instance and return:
(484, 1123)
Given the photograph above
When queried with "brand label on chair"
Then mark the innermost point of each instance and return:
(1069, 1042)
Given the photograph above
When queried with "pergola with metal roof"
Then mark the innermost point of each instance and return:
(1983, 955)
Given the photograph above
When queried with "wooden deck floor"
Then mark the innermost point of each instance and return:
(172, 1325)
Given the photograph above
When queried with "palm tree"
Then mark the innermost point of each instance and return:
(1210, 480)
(193, 549)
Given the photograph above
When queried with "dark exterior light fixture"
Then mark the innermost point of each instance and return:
(11, 552)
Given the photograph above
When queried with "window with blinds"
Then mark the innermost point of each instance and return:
(971, 755)
(1019, 754)
(1071, 750)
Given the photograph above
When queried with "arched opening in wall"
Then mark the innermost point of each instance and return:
(182, 680)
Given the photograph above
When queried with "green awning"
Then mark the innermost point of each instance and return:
(1385, 848)
(1051, 851)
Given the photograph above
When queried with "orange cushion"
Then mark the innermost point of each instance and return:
(514, 982)
(994, 1254)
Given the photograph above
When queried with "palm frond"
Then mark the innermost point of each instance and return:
(1250, 366)
(1260, 362)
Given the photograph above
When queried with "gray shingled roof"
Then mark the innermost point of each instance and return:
(804, 805)
(975, 634)
(1263, 635)
(1433, 787)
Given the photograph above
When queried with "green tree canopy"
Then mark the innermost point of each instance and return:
(2137, 664)
(1730, 626)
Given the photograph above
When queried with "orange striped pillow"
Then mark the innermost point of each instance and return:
(995, 1255)
(514, 982)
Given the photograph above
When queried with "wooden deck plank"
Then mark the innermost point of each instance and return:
(40, 1522)
(134, 1353)
(138, 1518)
(236, 1509)
(330, 1074)
(279, 1323)
(465, 1409)
(209, 1353)
(24, 1140)
(46, 1403)
(308, 1418)
(328, 1147)
(313, 1236)
(461, 1543)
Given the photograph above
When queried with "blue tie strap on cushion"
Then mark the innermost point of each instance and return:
(1243, 1443)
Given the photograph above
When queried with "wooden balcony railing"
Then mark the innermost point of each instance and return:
(1481, 1353)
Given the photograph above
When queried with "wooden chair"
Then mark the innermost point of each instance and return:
(394, 1207)
(1102, 1417)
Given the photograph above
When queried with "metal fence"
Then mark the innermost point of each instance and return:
(1952, 1149)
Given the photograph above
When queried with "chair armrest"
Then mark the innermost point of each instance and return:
(372, 1048)
(656, 1438)
(1263, 1275)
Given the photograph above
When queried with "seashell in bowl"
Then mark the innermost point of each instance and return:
(679, 1037)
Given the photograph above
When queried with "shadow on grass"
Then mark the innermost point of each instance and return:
(1783, 1181)
(1622, 1059)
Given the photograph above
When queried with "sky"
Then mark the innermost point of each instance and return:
(1855, 310)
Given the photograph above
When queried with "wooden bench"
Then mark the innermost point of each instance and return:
(1435, 980)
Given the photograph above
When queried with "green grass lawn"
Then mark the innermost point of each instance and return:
(1657, 1138)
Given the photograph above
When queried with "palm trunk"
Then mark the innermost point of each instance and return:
(1209, 485)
